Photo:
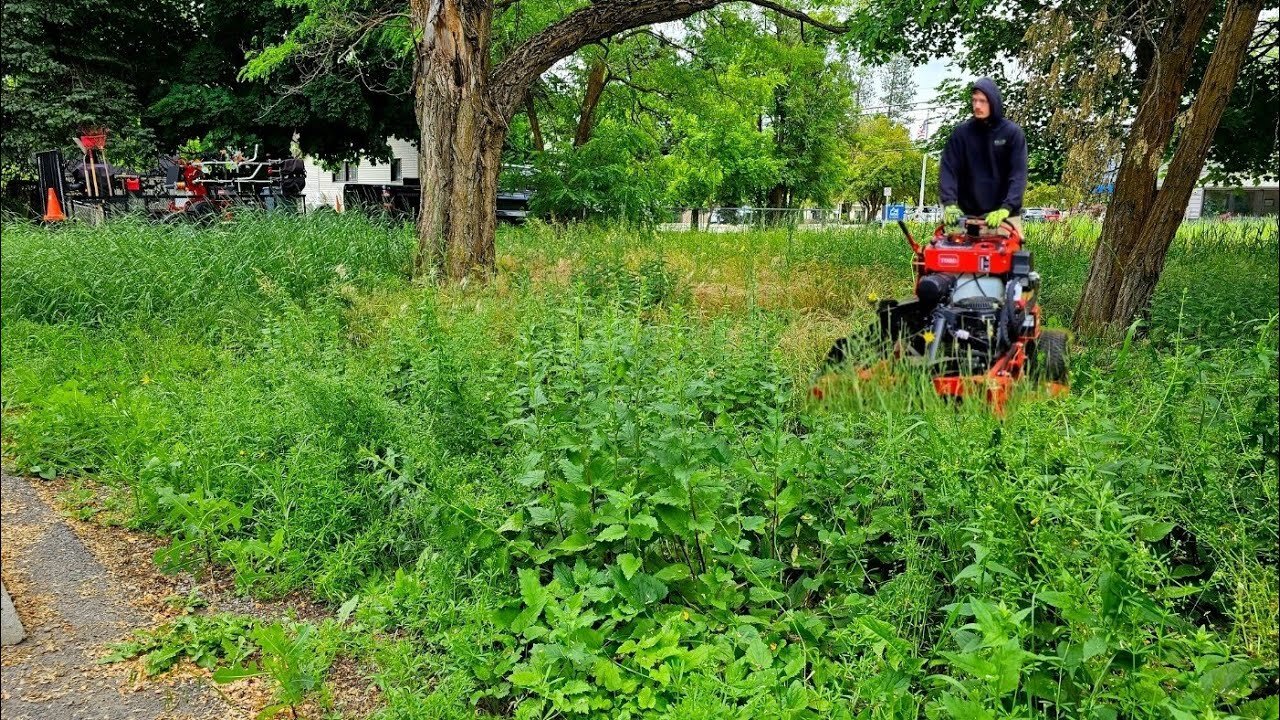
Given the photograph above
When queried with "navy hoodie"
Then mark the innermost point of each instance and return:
(984, 166)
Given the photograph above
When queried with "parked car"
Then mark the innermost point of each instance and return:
(1032, 214)
(928, 214)
(1052, 214)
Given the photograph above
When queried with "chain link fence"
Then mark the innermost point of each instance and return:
(728, 219)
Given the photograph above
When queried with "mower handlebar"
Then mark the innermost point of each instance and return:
(980, 222)
(915, 246)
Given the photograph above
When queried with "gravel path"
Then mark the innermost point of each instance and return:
(72, 609)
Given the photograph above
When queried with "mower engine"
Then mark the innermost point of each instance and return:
(978, 290)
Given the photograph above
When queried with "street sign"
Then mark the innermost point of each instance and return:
(893, 213)
(888, 192)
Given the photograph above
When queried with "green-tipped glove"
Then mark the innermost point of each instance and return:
(950, 214)
(995, 217)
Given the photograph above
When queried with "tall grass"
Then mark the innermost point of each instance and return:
(594, 486)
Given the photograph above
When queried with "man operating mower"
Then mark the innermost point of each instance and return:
(983, 173)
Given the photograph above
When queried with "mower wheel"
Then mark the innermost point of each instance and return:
(1049, 359)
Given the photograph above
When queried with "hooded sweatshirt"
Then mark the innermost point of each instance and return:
(984, 165)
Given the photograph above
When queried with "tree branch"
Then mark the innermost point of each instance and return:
(801, 16)
(511, 79)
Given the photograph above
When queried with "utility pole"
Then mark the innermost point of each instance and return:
(924, 164)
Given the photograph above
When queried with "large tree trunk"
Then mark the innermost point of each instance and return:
(1135, 189)
(461, 138)
(1194, 141)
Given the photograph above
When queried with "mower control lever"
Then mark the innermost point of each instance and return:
(915, 246)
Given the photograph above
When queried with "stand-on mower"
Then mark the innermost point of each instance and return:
(973, 325)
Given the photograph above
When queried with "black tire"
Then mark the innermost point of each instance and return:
(1049, 357)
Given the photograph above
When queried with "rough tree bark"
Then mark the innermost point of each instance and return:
(1141, 220)
(461, 137)
(597, 78)
(535, 128)
(464, 107)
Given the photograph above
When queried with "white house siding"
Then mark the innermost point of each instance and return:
(1195, 205)
(322, 190)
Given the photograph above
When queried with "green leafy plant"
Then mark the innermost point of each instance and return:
(206, 640)
(291, 657)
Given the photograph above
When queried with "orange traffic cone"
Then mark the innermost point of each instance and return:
(53, 208)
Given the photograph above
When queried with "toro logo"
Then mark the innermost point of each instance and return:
(948, 260)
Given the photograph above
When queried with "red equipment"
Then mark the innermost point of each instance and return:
(974, 322)
(201, 190)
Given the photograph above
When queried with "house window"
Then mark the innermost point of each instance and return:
(396, 175)
(350, 172)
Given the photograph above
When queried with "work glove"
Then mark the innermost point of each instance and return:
(995, 217)
(950, 214)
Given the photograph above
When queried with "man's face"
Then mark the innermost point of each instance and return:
(981, 107)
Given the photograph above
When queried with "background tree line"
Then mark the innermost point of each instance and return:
(729, 108)
(622, 107)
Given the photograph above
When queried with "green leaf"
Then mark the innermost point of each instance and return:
(539, 516)
(236, 672)
(972, 663)
(758, 654)
(964, 709)
(1094, 646)
(532, 478)
(572, 472)
(514, 523)
(765, 595)
(1155, 531)
(613, 532)
(1174, 591)
(525, 676)
(575, 542)
(1225, 677)
(347, 608)
(641, 590)
(1008, 659)
(630, 564)
(884, 632)
(1265, 709)
(645, 698)
(642, 527)
(1056, 599)
(675, 572)
(531, 590)
(607, 674)
(1112, 588)
(677, 519)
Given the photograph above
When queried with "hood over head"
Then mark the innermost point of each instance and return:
(987, 87)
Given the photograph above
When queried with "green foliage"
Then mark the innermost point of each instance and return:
(593, 488)
(63, 72)
(1083, 78)
(198, 525)
(614, 176)
(1043, 195)
(294, 656)
(208, 641)
(883, 156)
